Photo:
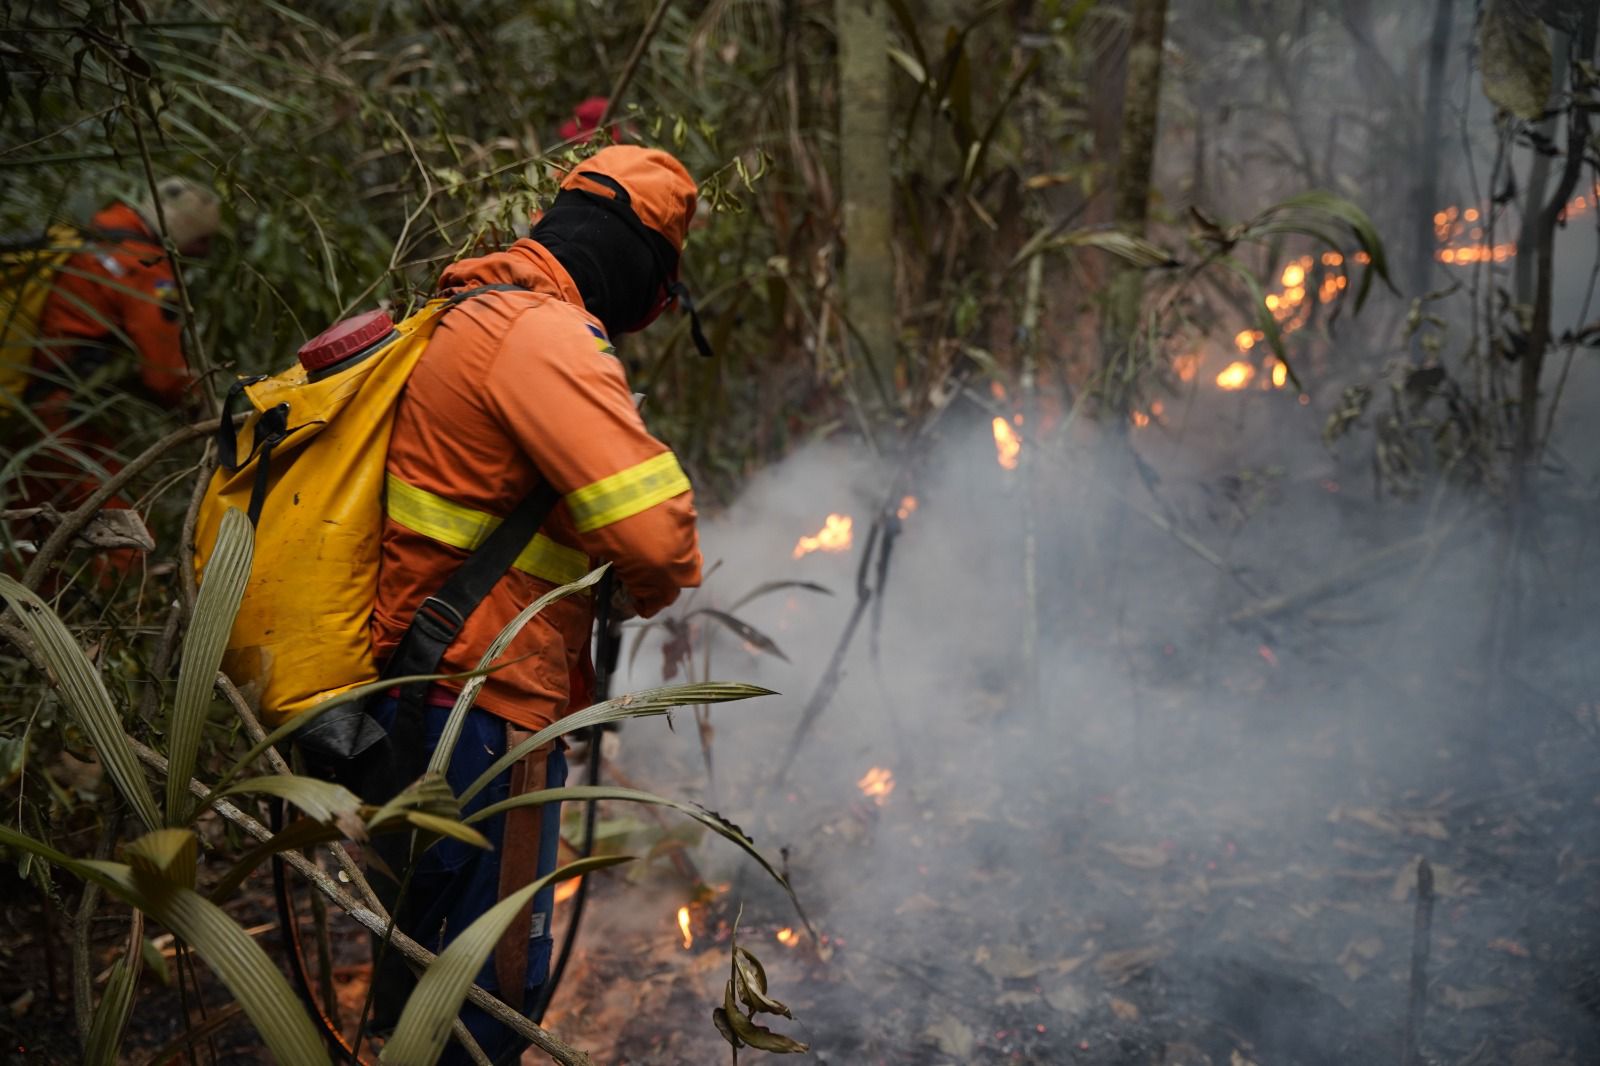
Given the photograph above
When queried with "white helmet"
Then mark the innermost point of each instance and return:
(191, 210)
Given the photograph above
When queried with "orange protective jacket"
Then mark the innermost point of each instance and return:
(513, 387)
(118, 294)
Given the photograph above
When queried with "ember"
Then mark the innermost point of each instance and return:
(877, 783)
(788, 937)
(567, 889)
(834, 536)
(1007, 444)
(683, 927)
(1236, 376)
(908, 507)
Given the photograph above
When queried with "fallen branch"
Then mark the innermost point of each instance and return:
(1363, 569)
(75, 520)
(114, 527)
(1421, 936)
(558, 1050)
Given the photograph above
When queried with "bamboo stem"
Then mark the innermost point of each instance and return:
(374, 922)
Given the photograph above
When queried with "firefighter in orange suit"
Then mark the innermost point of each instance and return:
(518, 386)
(112, 321)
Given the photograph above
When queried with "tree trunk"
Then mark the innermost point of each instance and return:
(866, 187)
(1545, 236)
(1425, 195)
(1140, 112)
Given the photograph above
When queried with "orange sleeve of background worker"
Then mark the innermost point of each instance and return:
(562, 395)
(153, 319)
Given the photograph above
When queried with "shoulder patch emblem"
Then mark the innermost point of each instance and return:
(602, 344)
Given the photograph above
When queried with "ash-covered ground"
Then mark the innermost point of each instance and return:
(1265, 695)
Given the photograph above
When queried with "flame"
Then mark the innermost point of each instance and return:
(1454, 223)
(788, 937)
(683, 927)
(834, 536)
(1187, 365)
(1280, 374)
(997, 390)
(877, 783)
(567, 889)
(1235, 376)
(908, 507)
(1140, 419)
(1007, 443)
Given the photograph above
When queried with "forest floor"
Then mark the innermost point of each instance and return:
(1201, 846)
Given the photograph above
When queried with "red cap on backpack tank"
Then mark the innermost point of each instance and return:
(344, 339)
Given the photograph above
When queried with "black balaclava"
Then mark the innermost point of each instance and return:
(619, 276)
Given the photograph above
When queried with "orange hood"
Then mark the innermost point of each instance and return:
(525, 264)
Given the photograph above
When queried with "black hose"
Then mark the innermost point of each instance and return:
(296, 951)
(607, 647)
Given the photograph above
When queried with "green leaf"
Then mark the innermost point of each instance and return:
(975, 157)
(111, 1015)
(167, 855)
(1136, 250)
(1514, 56)
(221, 591)
(635, 705)
(237, 959)
(439, 761)
(425, 1021)
(708, 818)
(322, 800)
(86, 696)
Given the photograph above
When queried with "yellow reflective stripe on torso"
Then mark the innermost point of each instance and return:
(625, 494)
(461, 527)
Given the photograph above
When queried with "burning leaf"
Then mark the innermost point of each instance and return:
(834, 536)
(877, 784)
(1007, 444)
(684, 928)
(952, 1036)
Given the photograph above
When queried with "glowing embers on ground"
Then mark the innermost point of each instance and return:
(834, 536)
(876, 784)
(908, 507)
(787, 937)
(684, 928)
(1008, 446)
(567, 889)
(1454, 223)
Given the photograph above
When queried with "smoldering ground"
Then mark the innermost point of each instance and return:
(1264, 695)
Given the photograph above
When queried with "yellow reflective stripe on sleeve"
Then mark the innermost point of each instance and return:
(462, 527)
(625, 494)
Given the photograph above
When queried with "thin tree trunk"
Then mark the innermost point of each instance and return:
(867, 192)
(1549, 217)
(1140, 112)
(1425, 196)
